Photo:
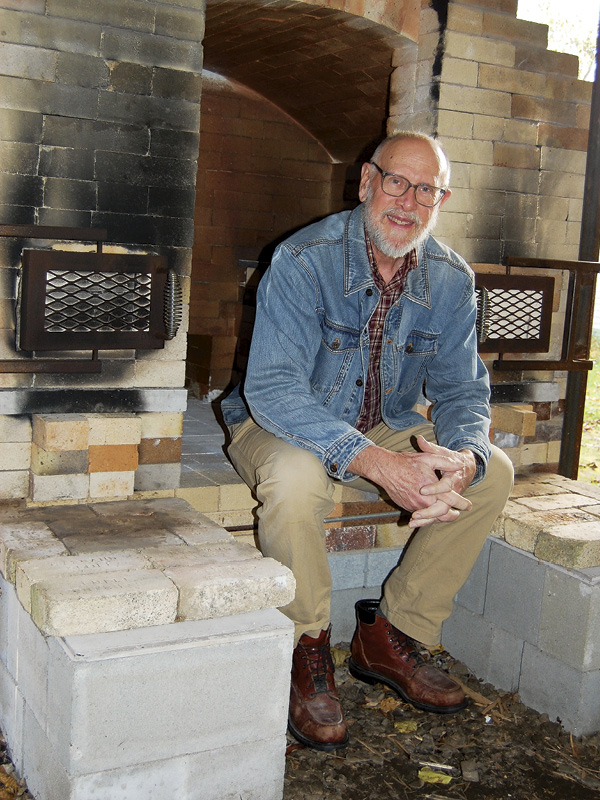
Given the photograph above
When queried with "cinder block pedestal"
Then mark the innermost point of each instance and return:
(142, 655)
(532, 627)
(194, 710)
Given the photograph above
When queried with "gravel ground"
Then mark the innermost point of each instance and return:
(496, 748)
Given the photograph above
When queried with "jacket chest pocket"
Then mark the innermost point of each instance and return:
(337, 349)
(412, 357)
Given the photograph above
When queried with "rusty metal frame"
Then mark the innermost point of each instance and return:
(574, 356)
(544, 286)
(33, 333)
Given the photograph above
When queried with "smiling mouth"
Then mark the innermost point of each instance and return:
(400, 222)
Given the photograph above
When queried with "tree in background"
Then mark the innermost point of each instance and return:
(572, 28)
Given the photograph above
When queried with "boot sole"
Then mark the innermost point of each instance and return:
(374, 677)
(326, 747)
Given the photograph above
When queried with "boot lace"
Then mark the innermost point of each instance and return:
(404, 646)
(320, 664)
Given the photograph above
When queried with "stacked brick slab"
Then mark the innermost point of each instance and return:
(130, 637)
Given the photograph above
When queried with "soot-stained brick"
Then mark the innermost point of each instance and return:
(122, 198)
(174, 144)
(19, 158)
(66, 162)
(64, 218)
(130, 229)
(22, 190)
(131, 78)
(82, 401)
(144, 170)
(87, 134)
(169, 202)
(20, 126)
(16, 215)
(64, 193)
(175, 83)
(152, 112)
(81, 70)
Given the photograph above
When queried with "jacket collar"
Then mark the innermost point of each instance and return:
(357, 270)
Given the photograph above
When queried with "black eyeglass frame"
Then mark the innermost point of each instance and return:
(414, 186)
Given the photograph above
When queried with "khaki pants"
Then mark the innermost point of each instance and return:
(295, 495)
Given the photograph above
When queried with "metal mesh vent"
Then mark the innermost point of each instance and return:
(96, 301)
(514, 313)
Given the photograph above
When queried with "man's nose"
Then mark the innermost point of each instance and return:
(408, 200)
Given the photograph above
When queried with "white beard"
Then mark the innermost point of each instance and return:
(379, 238)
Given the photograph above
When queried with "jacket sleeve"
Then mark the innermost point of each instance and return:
(457, 384)
(285, 342)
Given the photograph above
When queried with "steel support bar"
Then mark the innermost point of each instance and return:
(582, 308)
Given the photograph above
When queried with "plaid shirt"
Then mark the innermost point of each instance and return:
(370, 414)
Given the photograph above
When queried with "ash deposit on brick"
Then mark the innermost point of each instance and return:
(497, 749)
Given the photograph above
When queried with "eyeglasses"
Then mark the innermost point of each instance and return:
(397, 186)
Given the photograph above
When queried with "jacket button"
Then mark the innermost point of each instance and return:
(335, 345)
(359, 382)
(334, 467)
(409, 348)
(369, 292)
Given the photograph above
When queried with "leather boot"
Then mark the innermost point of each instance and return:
(315, 716)
(380, 653)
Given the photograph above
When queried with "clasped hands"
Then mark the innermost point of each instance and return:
(429, 483)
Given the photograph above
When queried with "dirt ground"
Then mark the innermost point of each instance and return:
(496, 748)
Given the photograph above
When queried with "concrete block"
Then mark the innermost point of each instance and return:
(11, 716)
(160, 450)
(504, 666)
(514, 591)
(150, 477)
(14, 456)
(24, 541)
(519, 420)
(29, 573)
(60, 431)
(111, 484)
(47, 488)
(114, 429)
(15, 428)
(113, 457)
(570, 620)
(158, 425)
(216, 590)
(207, 553)
(57, 462)
(76, 604)
(14, 485)
(348, 568)
(343, 618)
(564, 693)
(468, 637)
(576, 545)
(172, 694)
(32, 666)
(472, 593)
(9, 627)
(380, 562)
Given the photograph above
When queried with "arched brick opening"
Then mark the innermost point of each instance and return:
(295, 95)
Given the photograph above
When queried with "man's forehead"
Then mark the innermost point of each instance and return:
(417, 152)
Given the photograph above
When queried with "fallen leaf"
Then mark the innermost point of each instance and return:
(406, 726)
(389, 704)
(339, 656)
(431, 776)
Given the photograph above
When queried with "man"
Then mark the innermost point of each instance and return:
(357, 315)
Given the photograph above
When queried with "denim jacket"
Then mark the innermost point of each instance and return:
(310, 348)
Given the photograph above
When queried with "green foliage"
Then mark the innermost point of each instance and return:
(589, 458)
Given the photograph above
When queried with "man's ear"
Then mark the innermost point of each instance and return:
(365, 177)
(445, 197)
